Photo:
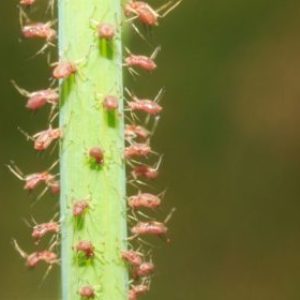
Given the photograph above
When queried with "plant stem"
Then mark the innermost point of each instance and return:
(85, 124)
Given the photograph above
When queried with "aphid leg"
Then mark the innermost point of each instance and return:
(22, 16)
(155, 52)
(169, 216)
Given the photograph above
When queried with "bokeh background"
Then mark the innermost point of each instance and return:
(231, 138)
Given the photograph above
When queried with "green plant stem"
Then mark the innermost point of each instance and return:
(85, 123)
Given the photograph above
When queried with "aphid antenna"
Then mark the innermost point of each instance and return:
(20, 90)
(15, 170)
(26, 134)
(171, 8)
(23, 16)
(19, 249)
(136, 29)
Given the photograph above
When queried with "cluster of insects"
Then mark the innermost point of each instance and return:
(143, 163)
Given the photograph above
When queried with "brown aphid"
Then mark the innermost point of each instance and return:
(106, 31)
(144, 200)
(87, 292)
(40, 230)
(133, 131)
(80, 207)
(134, 258)
(64, 70)
(96, 154)
(39, 31)
(137, 150)
(149, 228)
(33, 259)
(38, 99)
(111, 103)
(85, 247)
(43, 139)
(144, 269)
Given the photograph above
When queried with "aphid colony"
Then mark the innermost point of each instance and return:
(137, 152)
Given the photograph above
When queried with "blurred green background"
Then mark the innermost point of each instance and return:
(231, 138)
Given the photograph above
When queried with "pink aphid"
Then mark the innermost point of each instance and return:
(137, 150)
(40, 230)
(80, 207)
(144, 200)
(64, 70)
(137, 290)
(144, 171)
(38, 99)
(140, 61)
(144, 269)
(136, 131)
(85, 247)
(111, 103)
(97, 154)
(149, 228)
(145, 13)
(87, 292)
(27, 2)
(54, 187)
(39, 31)
(106, 31)
(132, 257)
(144, 105)
(43, 139)
(32, 181)
(33, 259)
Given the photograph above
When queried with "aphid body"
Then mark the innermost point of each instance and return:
(132, 257)
(38, 99)
(39, 31)
(46, 256)
(141, 61)
(136, 131)
(40, 230)
(63, 70)
(145, 13)
(144, 269)
(144, 171)
(137, 290)
(149, 228)
(87, 292)
(27, 2)
(97, 154)
(144, 200)
(137, 150)
(80, 207)
(111, 103)
(43, 139)
(85, 247)
(106, 31)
